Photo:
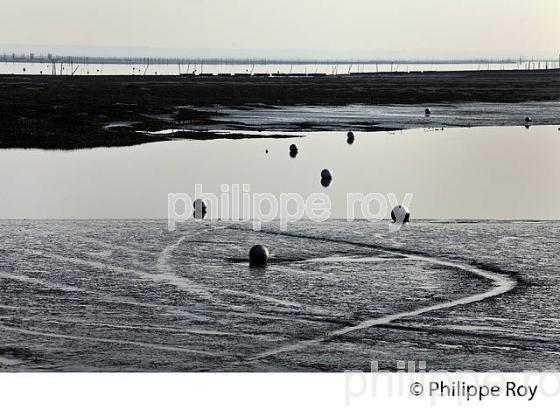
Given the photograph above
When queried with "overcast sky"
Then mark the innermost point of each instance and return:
(376, 28)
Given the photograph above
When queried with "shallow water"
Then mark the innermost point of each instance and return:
(197, 68)
(476, 173)
(395, 116)
(131, 296)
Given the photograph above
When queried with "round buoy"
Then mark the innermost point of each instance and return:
(350, 135)
(293, 150)
(428, 112)
(200, 208)
(326, 182)
(528, 119)
(326, 174)
(400, 214)
(258, 256)
(350, 138)
(266, 151)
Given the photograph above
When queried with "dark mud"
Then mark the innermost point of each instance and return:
(72, 112)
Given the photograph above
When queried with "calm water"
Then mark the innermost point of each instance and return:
(480, 173)
(329, 69)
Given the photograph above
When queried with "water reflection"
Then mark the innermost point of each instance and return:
(452, 173)
(196, 69)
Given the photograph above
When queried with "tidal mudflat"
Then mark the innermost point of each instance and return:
(72, 112)
(118, 294)
(131, 296)
(92, 279)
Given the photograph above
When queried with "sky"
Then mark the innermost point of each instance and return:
(284, 28)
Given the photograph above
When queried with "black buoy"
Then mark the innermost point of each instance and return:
(326, 174)
(528, 119)
(428, 112)
(200, 208)
(326, 182)
(258, 256)
(266, 151)
(400, 214)
(293, 150)
(350, 138)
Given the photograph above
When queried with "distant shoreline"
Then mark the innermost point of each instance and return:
(71, 112)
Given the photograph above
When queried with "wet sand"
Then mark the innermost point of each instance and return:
(66, 112)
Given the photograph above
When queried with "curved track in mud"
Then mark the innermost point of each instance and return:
(501, 285)
(163, 267)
